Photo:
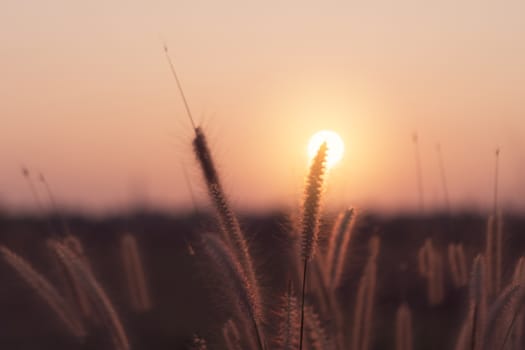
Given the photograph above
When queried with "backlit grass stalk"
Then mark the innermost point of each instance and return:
(489, 255)
(471, 333)
(495, 239)
(338, 246)
(502, 317)
(436, 280)
(493, 252)
(70, 282)
(241, 288)
(228, 221)
(135, 275)
(316, 333)
(319, 283)
(364, 306)
(231, 335)
(499, 254)
(288, 315)
(404, 336)
(46, 291)
(310, 218)
(517, 332)
(327, 298)
(430, 265)
(458, 265)
(96, 293)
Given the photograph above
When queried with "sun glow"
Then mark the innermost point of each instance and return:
(335, 145)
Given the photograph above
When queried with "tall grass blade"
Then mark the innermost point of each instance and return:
(46, 291)
(96, 293)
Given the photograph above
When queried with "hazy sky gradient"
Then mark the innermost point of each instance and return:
(88, 99)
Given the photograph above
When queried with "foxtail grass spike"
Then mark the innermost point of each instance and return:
(310, 219)
(46, 291)
(205, 159)
(312, 203)
(229, 224)
(230, 227)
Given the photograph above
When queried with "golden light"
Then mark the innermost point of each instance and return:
(335, 144)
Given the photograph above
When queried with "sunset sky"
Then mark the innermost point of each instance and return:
(87, 98)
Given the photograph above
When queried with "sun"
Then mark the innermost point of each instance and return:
(335, 144)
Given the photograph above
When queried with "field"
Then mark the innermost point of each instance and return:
(190, 298)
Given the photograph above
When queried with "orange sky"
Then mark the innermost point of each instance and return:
(88, 99)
